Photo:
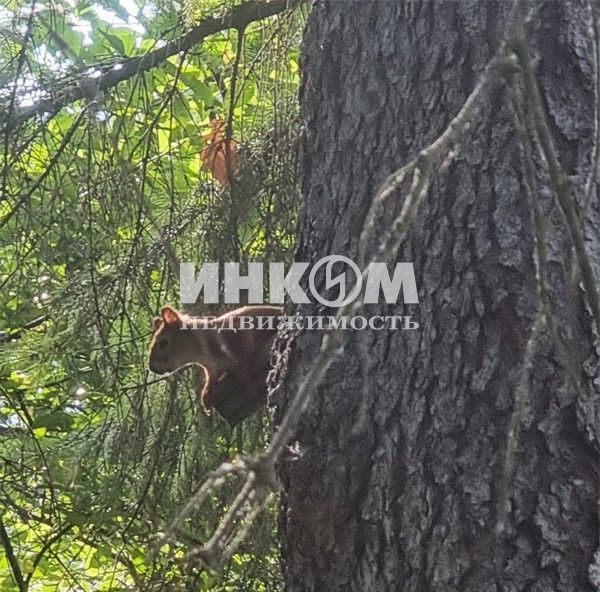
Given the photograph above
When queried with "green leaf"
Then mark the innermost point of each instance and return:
(115, 41)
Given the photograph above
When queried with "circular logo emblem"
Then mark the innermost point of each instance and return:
(338, 280)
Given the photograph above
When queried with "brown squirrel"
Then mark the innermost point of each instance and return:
(235, 359)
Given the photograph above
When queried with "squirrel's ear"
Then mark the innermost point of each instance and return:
(169, 314)
(156, 323)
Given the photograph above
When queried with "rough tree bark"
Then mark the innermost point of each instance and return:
(409, 499)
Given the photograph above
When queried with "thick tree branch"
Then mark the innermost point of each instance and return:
(238, 18)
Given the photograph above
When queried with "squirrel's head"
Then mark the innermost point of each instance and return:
(172, 345)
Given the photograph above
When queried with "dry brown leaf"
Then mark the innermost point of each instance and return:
(214, 156)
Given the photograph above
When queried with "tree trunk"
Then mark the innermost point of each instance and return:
(401, 486)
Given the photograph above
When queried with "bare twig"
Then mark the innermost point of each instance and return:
(18, 333)
(512, 438)
(233, 187)
(543, 305)
(44, 548)
(560, 182)
(53, 162)
(594, 161)
(13, 94)
(525, 118)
